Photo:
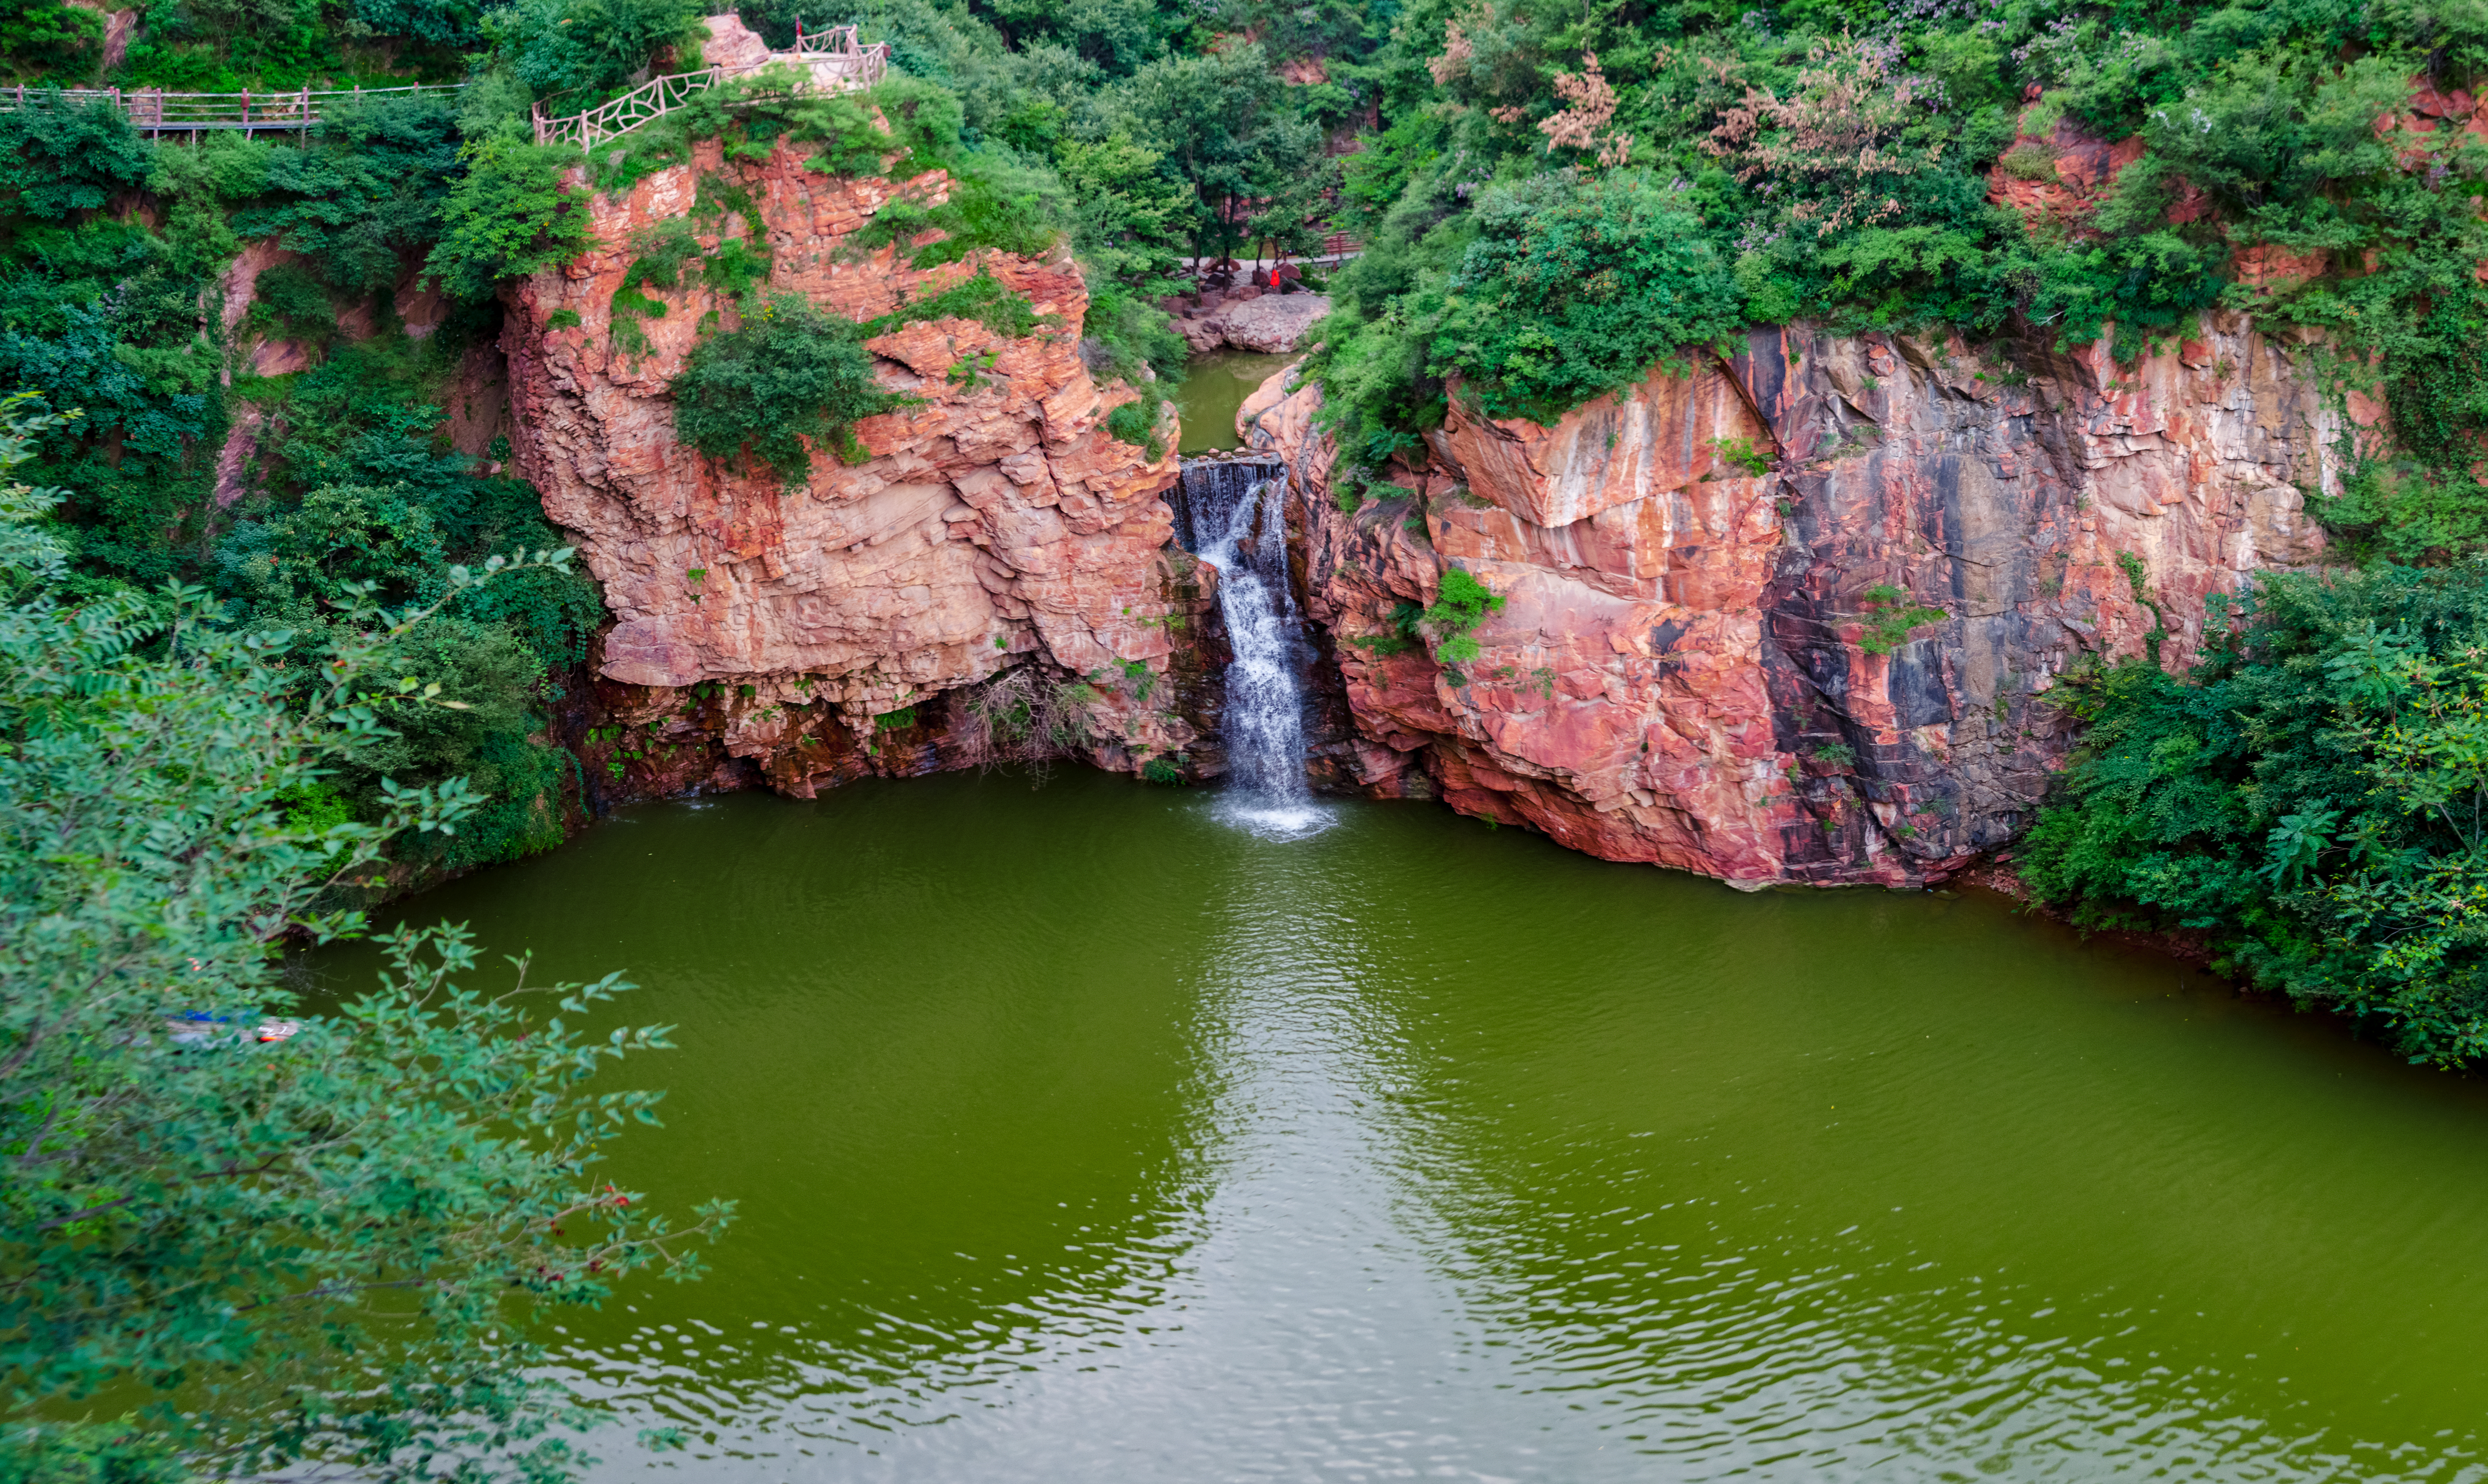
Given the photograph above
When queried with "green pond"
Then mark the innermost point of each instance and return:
(1213, 388)
(1082, 1134)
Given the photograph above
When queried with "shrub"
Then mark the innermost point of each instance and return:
(509, 215)
(983, 298)
(1578, 285)
(57, 157)
(575, 50)
(1889, 616)
(1460, 605)
(663, 249)
(789, 375)
(2029, 160)
(163, 839)
(50, 39)
(1832, 151)
(2309, 800)
(1740, 453)
(1137, 423)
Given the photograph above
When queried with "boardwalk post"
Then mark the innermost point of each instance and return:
(246, 111)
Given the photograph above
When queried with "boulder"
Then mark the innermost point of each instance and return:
(1271, 322)
(995, 524)
(731, 43)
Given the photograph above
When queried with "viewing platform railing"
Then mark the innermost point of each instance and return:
(834, 59)
(155, 111)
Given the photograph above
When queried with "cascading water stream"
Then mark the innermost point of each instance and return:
(1238, 516)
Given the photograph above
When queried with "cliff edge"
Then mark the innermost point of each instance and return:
(1793, 617)
(828, 628)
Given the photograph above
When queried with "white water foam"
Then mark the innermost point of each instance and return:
(1266, 794)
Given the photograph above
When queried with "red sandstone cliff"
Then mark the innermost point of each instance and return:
(1678, 674)
(996, 524)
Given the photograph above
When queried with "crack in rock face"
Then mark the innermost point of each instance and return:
(1796, 616)
(996, 523)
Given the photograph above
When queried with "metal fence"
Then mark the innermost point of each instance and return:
(834, 59)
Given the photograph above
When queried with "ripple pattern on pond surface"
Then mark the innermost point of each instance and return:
(1080, 1135)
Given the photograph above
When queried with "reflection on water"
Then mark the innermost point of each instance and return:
(1081, 1136)
(1213, 389)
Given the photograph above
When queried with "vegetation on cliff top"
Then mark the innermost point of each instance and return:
(1557, 201)
(1112, 133)
(1835, 160)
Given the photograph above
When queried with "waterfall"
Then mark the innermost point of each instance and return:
(1236, 515)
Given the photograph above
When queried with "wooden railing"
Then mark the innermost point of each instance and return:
(155, 111)
(651, 100)
(834, 60)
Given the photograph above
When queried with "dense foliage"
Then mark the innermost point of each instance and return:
(2314, 801)
(1835, 158)
(277, 1249)
(303, 440)
(1575, 285)
(789, 380)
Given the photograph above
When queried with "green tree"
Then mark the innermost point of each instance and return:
(1578, 284)
(326, 1246)
(42, 38)
(1225, 127)
(791, 375)
(58, 158)
(509, 215)
(2311, 799)
(575, 50)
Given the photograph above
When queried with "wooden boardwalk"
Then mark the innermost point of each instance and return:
(155, 111)
(832, 60)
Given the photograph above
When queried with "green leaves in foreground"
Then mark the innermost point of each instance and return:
(322, 1246)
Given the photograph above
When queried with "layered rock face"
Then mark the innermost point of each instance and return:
(1705, 656)
(823, 629)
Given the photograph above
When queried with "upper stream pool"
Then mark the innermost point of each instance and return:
(1213, 390)
(1081, 1136)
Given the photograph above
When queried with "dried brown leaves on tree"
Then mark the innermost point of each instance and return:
(1834, 140)
(1457, 52)
(1025, 717)
(1590, 106)
(1489, 58)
